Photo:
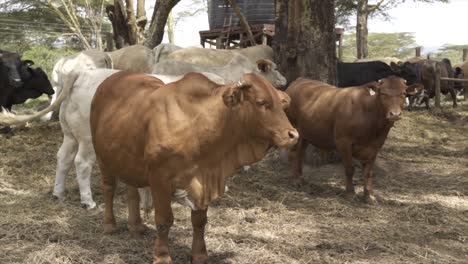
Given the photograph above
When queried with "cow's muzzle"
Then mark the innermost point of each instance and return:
(394, 116)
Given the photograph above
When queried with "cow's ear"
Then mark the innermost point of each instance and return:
(264, 65)
(414, 89)
(285, 99)
(234, 94)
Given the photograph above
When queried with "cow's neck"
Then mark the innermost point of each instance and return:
(231, 146)
(380, 125)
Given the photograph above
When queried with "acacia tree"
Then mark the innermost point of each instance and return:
(305, 39)
(158, 22)
(127, 25)
(363, 9)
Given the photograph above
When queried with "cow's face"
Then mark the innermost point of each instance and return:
(391, 93)
(12, 64)
(262, 107)
(269, 70)
(41, 82)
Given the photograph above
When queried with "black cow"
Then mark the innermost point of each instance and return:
(12, 67)
(32, 82)
(360, 73)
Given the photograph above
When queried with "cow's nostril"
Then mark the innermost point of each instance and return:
(395, 113)
(293, 134)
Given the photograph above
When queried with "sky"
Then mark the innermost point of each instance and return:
(433, 24)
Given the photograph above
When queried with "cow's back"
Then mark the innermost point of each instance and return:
(202, 57)
(137, 58)
(325, 105)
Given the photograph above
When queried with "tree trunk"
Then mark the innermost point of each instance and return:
(361, 29)
(305, 39)
(158, 22)
(118, 18)
(170, 28)
(128, 29)
(141, 21)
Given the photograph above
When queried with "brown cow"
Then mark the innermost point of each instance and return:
(191, 135)
(351, 120)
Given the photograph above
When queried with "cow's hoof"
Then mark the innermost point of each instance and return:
(199, 259)
(371, 199)
(137, 229)
(299, 182)
(110, 228)
(88, 205)
(350, 196)
(58, 198)
(162, 260)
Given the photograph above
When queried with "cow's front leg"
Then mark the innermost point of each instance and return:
(199, 220)
(296, 157)
(454, 97)
(135, 224)
(368, 171)
(344, 148)
(161, 192)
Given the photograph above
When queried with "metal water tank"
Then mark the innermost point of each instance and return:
(255, 11)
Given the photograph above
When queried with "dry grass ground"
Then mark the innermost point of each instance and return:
(422, 172)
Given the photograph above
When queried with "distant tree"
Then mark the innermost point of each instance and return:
(400, 45)
(80, 20)
(305, 39)
(363, 9)
(452, 52)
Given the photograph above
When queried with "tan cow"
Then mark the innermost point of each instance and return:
(350, 120)
(191, 135)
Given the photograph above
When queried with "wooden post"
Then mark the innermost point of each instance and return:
(418, 51)
(243, 21)
(437, 87)
(340, 48)
(465, 52)
(219, 43)
(109, 41)
(465, 90)
(264, 39)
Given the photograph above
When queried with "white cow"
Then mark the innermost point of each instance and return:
(77, 147)
(231, 72)
(220, 57)
(88, 59)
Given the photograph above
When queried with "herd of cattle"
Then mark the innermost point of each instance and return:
(182, 120)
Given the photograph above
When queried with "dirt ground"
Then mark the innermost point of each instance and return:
(422, 174)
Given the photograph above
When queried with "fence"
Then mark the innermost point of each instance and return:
(437, 87)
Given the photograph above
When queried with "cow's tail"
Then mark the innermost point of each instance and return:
(146, 200)
(7, 118)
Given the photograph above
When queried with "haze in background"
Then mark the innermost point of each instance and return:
(433, 24)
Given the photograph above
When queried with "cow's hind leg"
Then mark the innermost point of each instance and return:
(135, 224)
(109, 184)
(454, 97)
(65, 157)
(161, 192)
(199, 220)
(84, 161)
(345, 149)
